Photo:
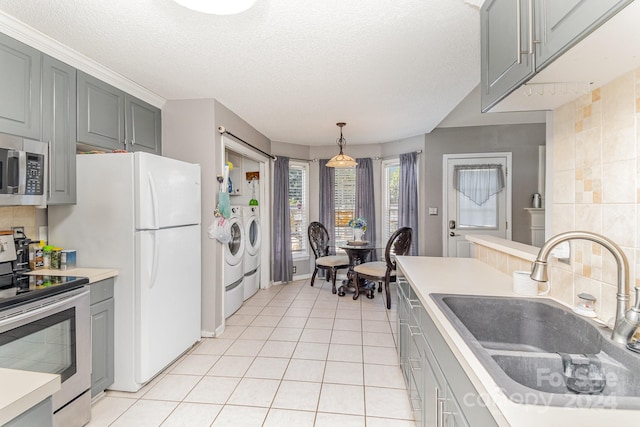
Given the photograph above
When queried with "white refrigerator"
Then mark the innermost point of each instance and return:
(140, 214)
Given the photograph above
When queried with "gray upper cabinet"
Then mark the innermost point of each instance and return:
(111, 119)
(20, 67)
(561, 24)
(504, 25)
(521, 37)
(143, 126)
(59, 128)
(100, 113)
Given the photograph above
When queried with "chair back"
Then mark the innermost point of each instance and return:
(397, 245)
(318, 239)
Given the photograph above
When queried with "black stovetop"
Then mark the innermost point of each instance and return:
(20, 288)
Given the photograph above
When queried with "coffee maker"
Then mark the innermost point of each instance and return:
(21, 263)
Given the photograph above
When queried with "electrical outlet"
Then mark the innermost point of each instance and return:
(18, 232)
(294, 269)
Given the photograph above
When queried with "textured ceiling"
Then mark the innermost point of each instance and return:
(290, 68)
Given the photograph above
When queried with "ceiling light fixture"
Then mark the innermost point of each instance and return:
(217, 7)
(341, 160)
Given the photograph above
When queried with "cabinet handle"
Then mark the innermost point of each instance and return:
(413, 334)
(438, 410)
(518, 31)
(133, 141)
(414, 368)
(531, 28)
(49, 170)
(414, 303)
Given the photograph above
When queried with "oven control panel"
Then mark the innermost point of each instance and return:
(7, 248)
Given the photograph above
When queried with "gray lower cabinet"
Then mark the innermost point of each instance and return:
(40, 415)
(520, 37)
(440, 392)
(102, 335)
(111, 119)
(20, 68)
(59, 128)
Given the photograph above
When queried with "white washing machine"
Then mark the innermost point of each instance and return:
(234, 264)
(253, 242)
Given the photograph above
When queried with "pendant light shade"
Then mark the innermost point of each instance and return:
(341, 160)
(217, 7)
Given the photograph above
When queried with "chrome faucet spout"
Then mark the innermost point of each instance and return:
(627, 320)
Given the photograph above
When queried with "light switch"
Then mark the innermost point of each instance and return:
(433, 211)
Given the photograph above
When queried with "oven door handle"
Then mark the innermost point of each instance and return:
(27, 315)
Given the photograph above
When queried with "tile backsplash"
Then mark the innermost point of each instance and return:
(13, 216)
(596, 187)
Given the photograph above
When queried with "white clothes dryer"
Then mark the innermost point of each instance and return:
(234, 264)
(252, 237)
(253, 242)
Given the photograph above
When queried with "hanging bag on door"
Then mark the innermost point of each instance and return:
(220, 230)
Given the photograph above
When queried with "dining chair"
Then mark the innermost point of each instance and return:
(384, 271)
(319, 242)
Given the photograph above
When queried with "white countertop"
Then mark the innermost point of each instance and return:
(93, 274)
(469, 276)
(22, 390)
(510, 247)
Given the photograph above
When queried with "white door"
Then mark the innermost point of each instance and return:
(476, 200)
(167, 192)
(167, 296)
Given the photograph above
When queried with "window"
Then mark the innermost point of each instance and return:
(345, 204)
(299, 208)
(390, 191)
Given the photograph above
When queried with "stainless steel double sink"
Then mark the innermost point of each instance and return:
(519, 341)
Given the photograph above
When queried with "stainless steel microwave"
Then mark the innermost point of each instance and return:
(23, 171)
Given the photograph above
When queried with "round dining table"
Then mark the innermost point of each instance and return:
(358, 252)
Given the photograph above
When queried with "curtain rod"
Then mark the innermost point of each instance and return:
(393, 157)
(223, 131)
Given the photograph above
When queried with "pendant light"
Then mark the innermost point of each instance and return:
(217, 7)
(341, 160)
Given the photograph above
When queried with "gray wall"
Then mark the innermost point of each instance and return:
(189, 132)
(521, 140)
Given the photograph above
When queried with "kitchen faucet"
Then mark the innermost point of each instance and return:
(627, 319)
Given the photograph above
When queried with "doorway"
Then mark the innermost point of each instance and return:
(259, 191)
(476, 199)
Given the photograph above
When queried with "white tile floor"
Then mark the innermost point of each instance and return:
(293, 355)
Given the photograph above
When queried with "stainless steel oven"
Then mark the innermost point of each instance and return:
(53, 335)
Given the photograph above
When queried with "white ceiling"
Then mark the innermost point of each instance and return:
(291, 68)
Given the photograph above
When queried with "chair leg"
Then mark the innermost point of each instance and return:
(333, 281)
(387, 291)
(313, 277)
(356, 284)
(379, 286)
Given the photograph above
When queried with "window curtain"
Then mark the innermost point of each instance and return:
(408, 197)
(327, 215)
(282, 266)
(478, 182)
(365, 202)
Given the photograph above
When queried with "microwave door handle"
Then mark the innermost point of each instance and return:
(13, 163)
(22, 175)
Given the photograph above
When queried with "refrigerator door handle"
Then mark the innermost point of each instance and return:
(154, 200)
(154, 266)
